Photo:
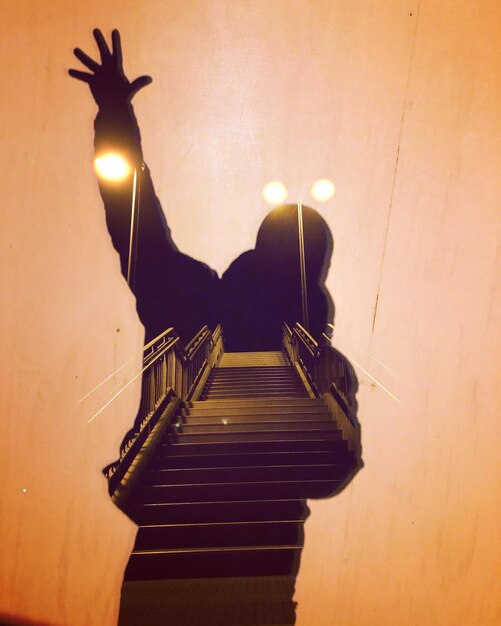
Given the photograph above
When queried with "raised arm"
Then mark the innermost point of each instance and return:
(116, 126)
(171, 288)
(117, 132)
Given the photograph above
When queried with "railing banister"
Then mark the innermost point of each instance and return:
(168, 368)
(323, 372)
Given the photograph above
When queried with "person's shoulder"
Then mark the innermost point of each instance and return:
(196, 268)
(245, 261)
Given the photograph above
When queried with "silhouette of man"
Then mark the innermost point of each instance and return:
(258, 292)
(261, 288)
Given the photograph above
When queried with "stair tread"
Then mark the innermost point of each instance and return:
(232, 502)
(228, 420)
(222, 510)
(251, 422)
(254, 427)
(244, 467)
(242, 454)
(254, 402)
(217, 549)
(211, 524)
(260, 409)
(264, 475)
(177, 446)
(237, 483)
(252, 433)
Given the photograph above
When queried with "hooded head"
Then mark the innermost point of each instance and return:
(277, 241)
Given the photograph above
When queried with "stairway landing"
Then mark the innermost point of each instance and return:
(243, 601)
(252, 359)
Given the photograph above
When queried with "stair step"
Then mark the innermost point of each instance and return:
(243, 359)
(200, 447)
(172, 536)
(213, 562)
(256, 394)
(243, 375)
(242, 474)
(284, 509)
(257, 436)
(250, 381)
(254, 418)
(263, 408)
(301, 411)
(271, 402)
(303, 489)
(261, 427)
(253, 459)
(261, 380)
(253, 366)
(283, 385)
(254, 389)
(250, 426)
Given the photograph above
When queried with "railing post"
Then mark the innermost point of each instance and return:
(163, 375)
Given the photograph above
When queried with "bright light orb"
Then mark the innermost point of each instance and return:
(323, 190)
(275, 192)
(112, 166)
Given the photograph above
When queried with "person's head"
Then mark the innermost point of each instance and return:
(278, 241)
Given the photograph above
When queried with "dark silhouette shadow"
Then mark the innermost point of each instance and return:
(11, 620)
(171, 288)
(258, 292)
(262, 288)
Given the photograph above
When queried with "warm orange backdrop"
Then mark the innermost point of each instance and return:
(398, 102)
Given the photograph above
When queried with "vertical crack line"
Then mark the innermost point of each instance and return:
(395, 171)
(375, 311)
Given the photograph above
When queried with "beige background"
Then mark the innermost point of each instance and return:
(398, 102)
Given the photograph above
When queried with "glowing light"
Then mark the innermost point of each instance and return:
(323, 190)
(112, 166)
(275, 192)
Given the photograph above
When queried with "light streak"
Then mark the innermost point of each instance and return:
(117, 394)
(373, 379)
(107, 378)
(366, 352)
(160, 353)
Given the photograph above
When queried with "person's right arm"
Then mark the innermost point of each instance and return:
(171, 288)
(117, 132)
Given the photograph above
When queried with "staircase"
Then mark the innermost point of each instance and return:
(224, 495)
(221, 507)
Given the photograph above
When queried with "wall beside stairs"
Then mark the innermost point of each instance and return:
(398, 103)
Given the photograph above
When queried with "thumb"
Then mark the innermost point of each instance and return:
(138, 84)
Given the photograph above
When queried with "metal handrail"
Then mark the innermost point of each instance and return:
(169, 368)
(324, 367)
(301, 348)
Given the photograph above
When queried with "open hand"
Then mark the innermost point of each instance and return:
(107, 82)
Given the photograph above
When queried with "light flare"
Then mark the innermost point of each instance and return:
(112, 166)
(323, 190)
(275, 192)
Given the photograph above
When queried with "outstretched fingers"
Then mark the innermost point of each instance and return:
(86, 60)
(139, 83)
(116, 47)
(107, 80)
(87, 78)
(104, 51)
